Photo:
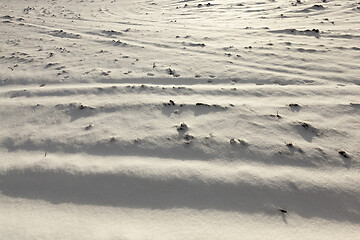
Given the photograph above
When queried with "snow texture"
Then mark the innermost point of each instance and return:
(188, 119)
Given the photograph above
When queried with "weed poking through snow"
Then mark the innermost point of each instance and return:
(344, 154)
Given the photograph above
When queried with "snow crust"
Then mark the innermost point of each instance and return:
(179, 119)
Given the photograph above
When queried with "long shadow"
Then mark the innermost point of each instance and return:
(177, 149)
(122, 190)
(115, 147)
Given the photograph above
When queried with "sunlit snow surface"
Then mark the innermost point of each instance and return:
(253, 41)
(179, 119)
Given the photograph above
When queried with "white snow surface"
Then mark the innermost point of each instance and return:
(160, 119)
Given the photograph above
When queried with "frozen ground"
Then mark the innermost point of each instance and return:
(179, 119)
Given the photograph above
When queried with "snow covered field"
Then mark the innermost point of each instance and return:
(139, 119)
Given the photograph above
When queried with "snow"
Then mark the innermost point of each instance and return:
(174, 120)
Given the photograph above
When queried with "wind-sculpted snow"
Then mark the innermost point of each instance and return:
(244, 190)
(92, 41)
(179, 119)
